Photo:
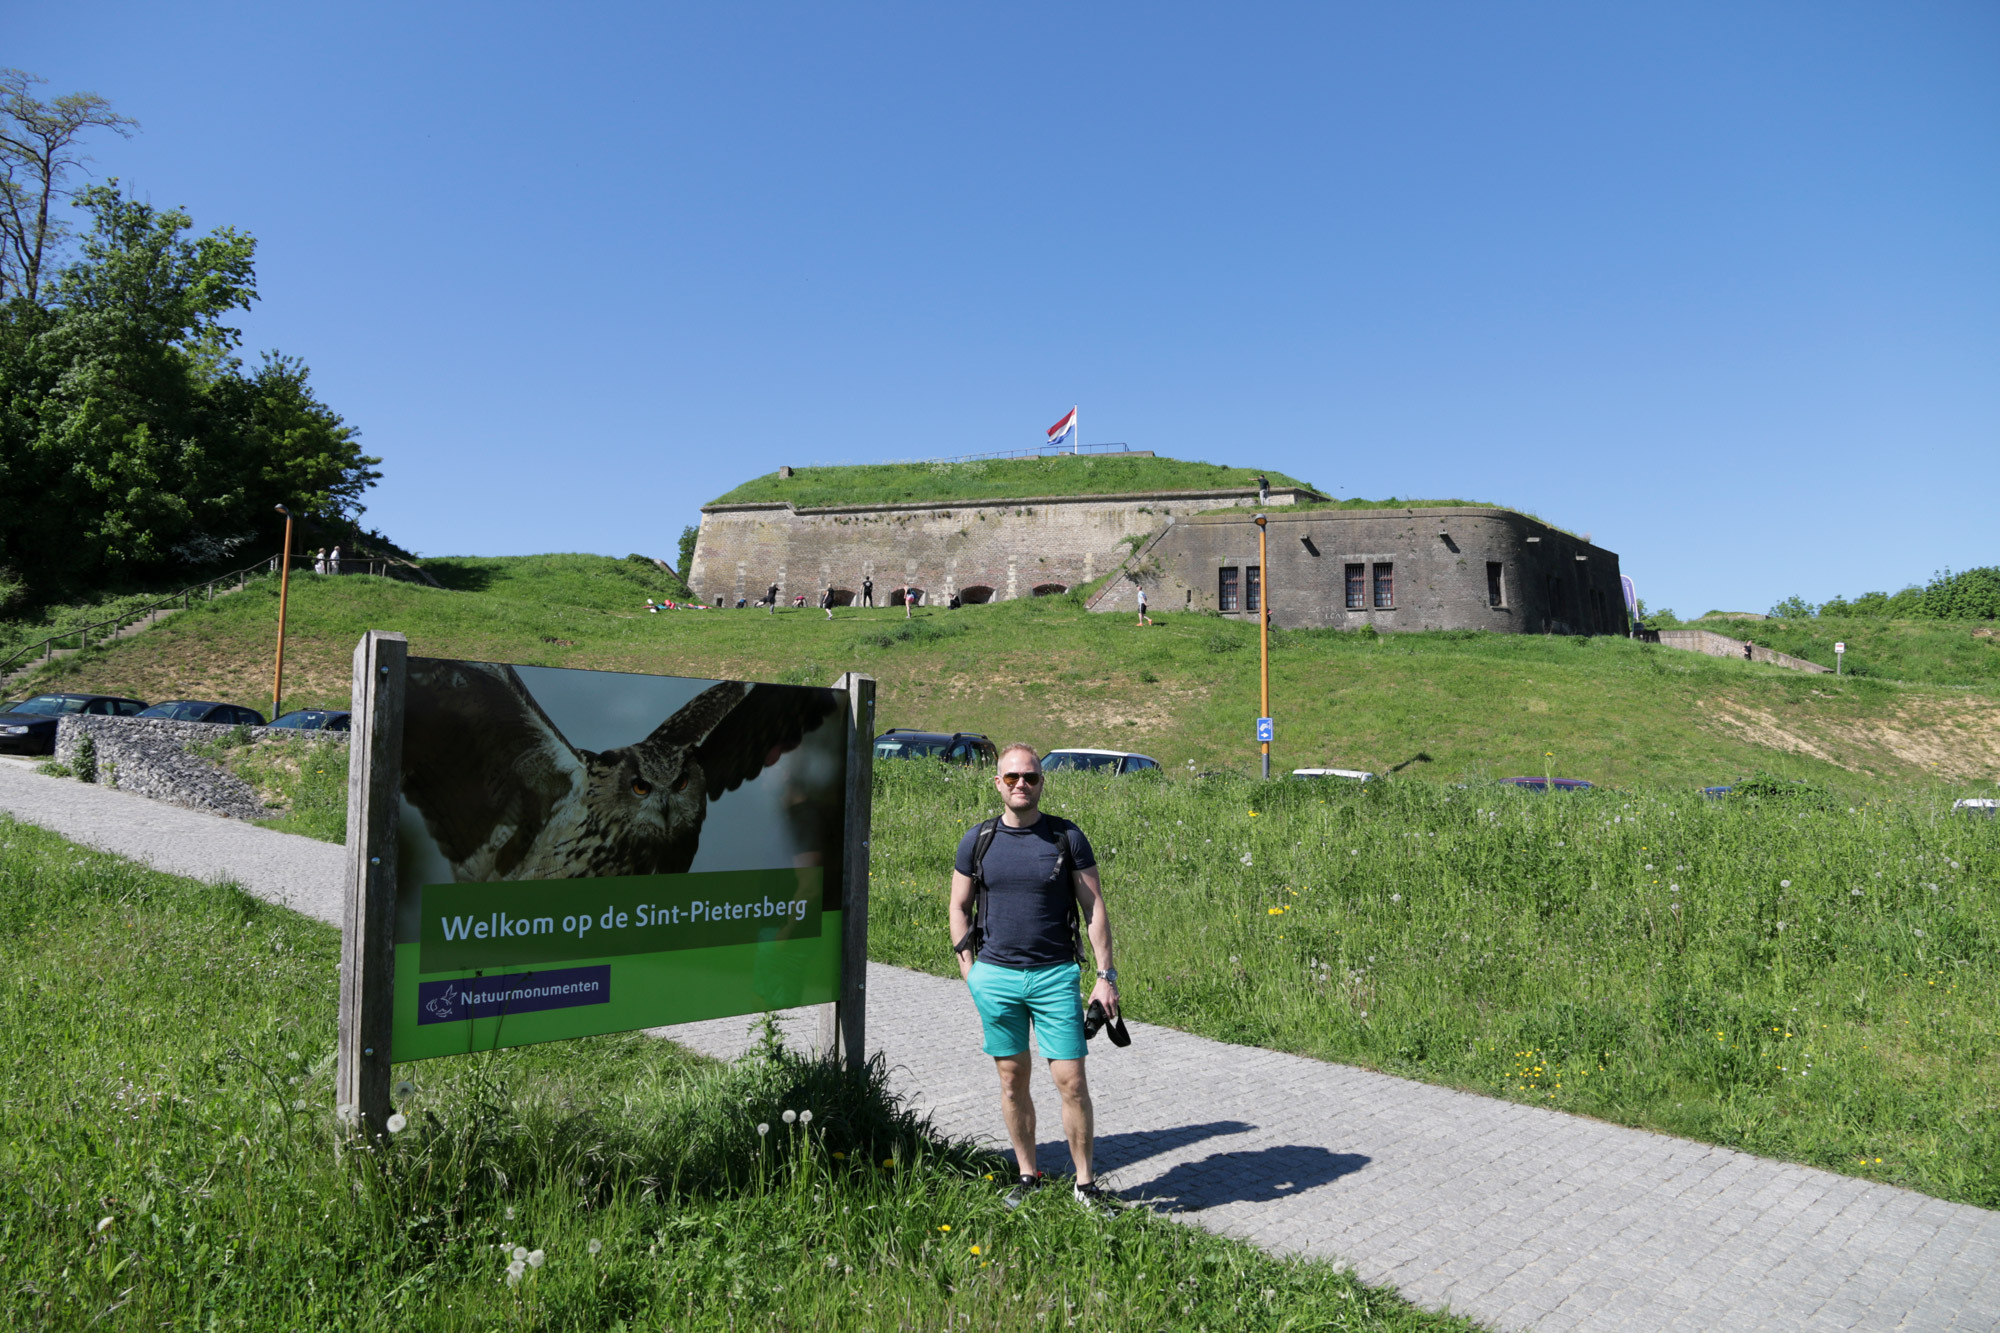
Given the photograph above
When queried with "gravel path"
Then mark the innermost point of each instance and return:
(1518, 1217)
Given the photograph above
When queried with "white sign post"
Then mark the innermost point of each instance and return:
(1839, 656)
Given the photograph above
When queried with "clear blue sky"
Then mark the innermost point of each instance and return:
(1718, 283)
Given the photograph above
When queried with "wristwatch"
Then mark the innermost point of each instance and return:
(1109, 974)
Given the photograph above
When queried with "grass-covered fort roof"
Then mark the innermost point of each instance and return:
(994, 479)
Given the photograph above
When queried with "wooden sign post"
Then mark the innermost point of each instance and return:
(843, 1030)
(368, 914)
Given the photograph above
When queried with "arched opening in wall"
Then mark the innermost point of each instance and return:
(977, 595)
(840, 597)
(896, 596)
(1050, 589)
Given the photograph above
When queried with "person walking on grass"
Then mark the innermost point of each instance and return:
(1023, 884)
(771, 601)
(1144, 619)
(868, 591)
(826, 601)
(909, 600)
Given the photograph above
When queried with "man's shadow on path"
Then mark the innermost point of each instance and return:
(1254, 1175)
(1258, 1175)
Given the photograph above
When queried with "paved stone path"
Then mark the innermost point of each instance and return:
(1517, 1217)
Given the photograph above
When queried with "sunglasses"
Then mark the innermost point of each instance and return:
(1028, 779)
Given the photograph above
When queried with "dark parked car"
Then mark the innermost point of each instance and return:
(316, 719)
(1097, 761)
(205, 710)
(954, 747)
(1545, 784)
(29, 727)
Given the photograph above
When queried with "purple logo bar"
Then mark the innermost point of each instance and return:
(512, 993)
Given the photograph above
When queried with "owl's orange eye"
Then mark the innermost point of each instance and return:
(681, 785)
(641, 787)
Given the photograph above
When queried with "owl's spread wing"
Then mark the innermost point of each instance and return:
(737, 730)
(481, 759)
(768, 724)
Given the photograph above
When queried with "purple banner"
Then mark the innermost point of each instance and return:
(512, 993)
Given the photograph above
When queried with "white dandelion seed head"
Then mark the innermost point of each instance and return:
(1918, 933)
(1673, 888)
(1854, 893)
(1784, 884)
(1395, 897)
(105, 1224)
(344, 1113)
(405, 1089)
(763, 1129)
(1246, 858)
(536, 1258)
(520, 1254)
(790, 1117)
(595, 1246)
(805, 1117)
(510, 1212)
(397, 1123)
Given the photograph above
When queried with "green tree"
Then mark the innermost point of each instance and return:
(688, 536)
(1971, 595)
(132, 435)
(1794, 608)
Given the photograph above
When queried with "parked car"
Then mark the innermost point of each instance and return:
(316, 719)
(1097, 761)
(954, 747)
(1544, 784)
(205, 710)
(1977, 805)
(1350, 774)
(1716, 793)
(29, 727)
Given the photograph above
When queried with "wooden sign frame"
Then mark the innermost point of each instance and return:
(367, 936)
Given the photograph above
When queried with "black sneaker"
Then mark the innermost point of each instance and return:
(1093, 1198)
(1018, 1195)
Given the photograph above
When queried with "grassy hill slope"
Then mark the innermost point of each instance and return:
(1915, 650)
(994, 479)
(1045, 671)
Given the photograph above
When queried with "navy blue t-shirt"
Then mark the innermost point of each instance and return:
(1027, 911)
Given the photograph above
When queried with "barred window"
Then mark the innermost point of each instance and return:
(1357, 587)
(1496, 591)
(1225, 588)
(1385, 585)
(1253, 588)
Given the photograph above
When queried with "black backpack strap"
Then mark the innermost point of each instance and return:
(975, 933)
(1066, 876)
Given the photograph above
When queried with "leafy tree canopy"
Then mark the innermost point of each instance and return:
(132, 437)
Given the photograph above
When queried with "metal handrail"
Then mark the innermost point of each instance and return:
(185, 598)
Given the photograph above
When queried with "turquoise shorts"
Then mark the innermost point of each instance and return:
(1008, 998)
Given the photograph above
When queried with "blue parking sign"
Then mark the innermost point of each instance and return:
(1264, 729)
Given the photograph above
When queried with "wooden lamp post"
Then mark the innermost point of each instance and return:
(284, 588)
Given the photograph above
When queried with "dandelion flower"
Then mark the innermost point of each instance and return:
(945, 1227)
(889, 1162)
(536, 1258)
(763, 1128)
(397, 1123)
(790, 1117)
(805, 1117)
(1246, 858)
(510, 1212)
(514, 1271)
(976, 1249)
(1395, 897)
(520, 1254)
(1784, 884)
(595, 1246)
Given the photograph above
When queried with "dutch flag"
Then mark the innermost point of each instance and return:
(1063, 429)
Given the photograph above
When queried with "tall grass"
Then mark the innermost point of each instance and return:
(1808, 980)
(994, 479)
(167, 1161)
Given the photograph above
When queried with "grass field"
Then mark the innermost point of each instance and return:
(1430, 705)
(1947, 651)
(167, 1162)
(1818, 982)
(994, 479)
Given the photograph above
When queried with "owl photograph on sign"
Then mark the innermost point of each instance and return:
(544, 773)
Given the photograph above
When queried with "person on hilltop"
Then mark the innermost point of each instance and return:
(826, 601)
(1144, 619)
(1021, 884)
(319, 561)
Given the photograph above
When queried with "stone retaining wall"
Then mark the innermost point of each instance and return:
(149, 756)
(1721, 645)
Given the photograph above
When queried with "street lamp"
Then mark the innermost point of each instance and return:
(284, 588)
(1264, 731)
